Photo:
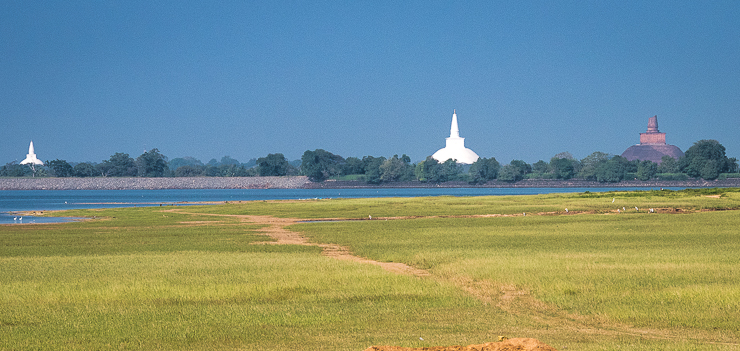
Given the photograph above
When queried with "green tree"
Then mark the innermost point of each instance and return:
(450, 171)
(565, 154)
(373, 172)
(522, 167)
(395, 169)
(190, 171)
(428, 171)
(273, 165)
(573, 161)
(85, 169)
(13, 169)
(152, 164)
(212, 171)
(733, 166)
(646, 170)
(631, 166)
(509, 173)
(540, 167)
(514, 171)
(562, 167)
(711, 170)
(253, 162)
(353, 165)
(612, 171)
(321, 164)
(119, 165)
(371, 168)
(705, 158)
(178, 162)
(590, 163)
(668, 164)
(60, 168)
(231, 170)
(483, 170)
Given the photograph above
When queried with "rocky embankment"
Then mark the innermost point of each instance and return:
(303, 183)
(534, 183)
(153, 183)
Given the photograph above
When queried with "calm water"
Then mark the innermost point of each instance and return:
(46, 200)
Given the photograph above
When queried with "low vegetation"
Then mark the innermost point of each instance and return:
(207, 277)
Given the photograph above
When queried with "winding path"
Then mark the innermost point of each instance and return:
(507, 297)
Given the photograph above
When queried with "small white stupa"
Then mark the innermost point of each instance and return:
(31, 157)
(455, 148)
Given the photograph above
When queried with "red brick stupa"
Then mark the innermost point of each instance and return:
(652, 146)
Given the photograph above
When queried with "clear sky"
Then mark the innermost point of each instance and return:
(529, 79)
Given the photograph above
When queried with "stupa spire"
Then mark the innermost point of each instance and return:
(653, 124)
(454, 130)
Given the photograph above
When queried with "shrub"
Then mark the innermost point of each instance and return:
(729, 176)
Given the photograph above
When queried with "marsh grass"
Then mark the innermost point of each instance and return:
(197, 300)
(690, 199)
(144, 279)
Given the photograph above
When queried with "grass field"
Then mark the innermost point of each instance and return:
(202, 277)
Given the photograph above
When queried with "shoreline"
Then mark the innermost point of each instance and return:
(136, 183)
(302, 182)
(537, 183)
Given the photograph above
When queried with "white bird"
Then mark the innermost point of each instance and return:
(624, 209)
(618, 211)
(566, 210)
(636, 209)
(370, 216)
(613, 200)
(524, 213)
(20, 218)
(421, 339)
(15, 218)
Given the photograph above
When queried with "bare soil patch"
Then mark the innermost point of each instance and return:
(523, 344)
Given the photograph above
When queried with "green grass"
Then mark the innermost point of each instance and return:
(143, 279)
(598, 264)
(193, 300)
(458, 206)
(131, 230)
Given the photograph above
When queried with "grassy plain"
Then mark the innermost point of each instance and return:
(187, 278)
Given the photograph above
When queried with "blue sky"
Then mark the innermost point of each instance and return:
(529, 79)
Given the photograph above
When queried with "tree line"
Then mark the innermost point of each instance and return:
(706, 159)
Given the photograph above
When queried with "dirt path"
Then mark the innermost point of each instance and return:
(275, 229)
(506, 297)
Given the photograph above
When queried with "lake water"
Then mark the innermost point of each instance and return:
(47, 200)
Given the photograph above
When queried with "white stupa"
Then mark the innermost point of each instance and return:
(455, 148)
(31, 157)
